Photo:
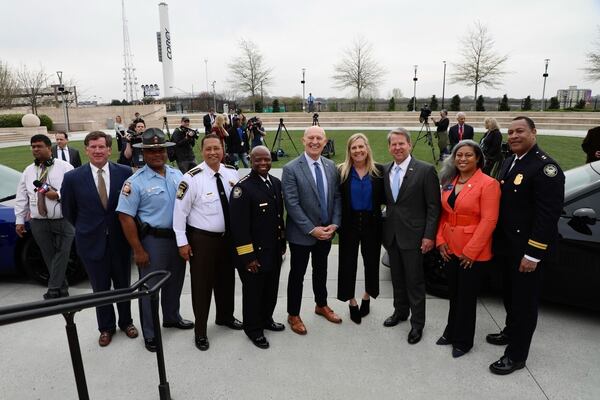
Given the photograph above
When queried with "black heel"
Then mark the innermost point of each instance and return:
(365, 307)
(355, 314)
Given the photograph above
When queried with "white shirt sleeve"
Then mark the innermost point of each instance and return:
(22, 199)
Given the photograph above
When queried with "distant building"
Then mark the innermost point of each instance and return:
(571, 96)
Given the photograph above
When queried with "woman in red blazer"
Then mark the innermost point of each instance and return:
(470, 202)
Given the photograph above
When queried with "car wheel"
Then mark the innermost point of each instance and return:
(34, 266)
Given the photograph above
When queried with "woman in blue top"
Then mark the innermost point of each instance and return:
(362, 196)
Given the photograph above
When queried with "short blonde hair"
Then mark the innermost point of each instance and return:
(491, 123)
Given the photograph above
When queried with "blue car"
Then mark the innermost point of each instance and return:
(22, 255)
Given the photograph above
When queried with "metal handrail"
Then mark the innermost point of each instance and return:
(68, 306)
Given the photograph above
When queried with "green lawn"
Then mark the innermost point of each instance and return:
(565, 150)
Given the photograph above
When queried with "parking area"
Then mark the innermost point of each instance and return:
(346, 361)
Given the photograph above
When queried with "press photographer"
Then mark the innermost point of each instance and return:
(442, 133)
(185, 138)
(130, 155)
(256, 132)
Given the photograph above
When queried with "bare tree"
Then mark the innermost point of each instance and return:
(358, 69)
(31, 84)
(593, 60)
(248, 70)
(480, 65)
(8, 85)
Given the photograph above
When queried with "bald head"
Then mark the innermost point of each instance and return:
(260, 160)
(314, 140)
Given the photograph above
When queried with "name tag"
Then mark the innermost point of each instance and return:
(263, 204)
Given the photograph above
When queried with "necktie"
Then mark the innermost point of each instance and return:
(270, 186)
(322, 197)
(460, 132)
(62, 155)
(102, 189)
(516, 160)
(396, 182)
(224, 201)
(41, 199)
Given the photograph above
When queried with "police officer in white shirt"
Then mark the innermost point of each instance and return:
(38, 195)
(201, 225)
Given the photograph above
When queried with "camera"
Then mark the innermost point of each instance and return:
(315, 120)
(192, 133)
(133, 137)
(424, 115)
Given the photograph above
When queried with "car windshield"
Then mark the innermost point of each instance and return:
(9, 179)
(580, 177)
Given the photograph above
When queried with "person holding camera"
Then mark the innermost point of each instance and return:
(441, 132)
(131, 154)
(184, 138)
(257, 132)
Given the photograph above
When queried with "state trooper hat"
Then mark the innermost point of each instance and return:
(153, 138)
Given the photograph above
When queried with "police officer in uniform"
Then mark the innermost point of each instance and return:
(531, 202)
(256, 206)
(201, 225)
(144, 208)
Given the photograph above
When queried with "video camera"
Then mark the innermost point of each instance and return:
(315, 120)
(425, 114)
(191, 133)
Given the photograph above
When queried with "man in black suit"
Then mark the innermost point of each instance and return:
(89, 197)
(64, 152)
(412, 192)
(256, 204)
(460, 131)
(208, 120)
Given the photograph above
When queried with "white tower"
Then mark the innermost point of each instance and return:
(130, 83)
(165, 52)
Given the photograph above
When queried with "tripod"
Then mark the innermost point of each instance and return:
(425, 135)
(277, 140)
(315, 121)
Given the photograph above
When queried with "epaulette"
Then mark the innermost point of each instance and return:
(543, 156)
(230, 166)
(194, 171)
(243, 179)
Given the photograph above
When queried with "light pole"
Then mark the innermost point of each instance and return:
(444, 85)
(545, 75)
(415, 90)
(206, 71)
(303, 82)
(61, 89)
(262, 99)
(214, 96)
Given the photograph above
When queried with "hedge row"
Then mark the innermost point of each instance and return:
(14, 121)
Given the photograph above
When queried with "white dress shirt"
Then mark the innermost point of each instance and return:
(403, 168)
(105, 174)
(59, 153)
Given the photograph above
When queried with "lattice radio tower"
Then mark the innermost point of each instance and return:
(130, 83)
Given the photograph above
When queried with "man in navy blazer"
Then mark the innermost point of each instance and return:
(460, 131)
(314, 212)
(89, 197)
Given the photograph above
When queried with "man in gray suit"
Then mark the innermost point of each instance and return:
(312, 199)
(412, 193)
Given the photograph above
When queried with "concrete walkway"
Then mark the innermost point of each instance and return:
(344, 361)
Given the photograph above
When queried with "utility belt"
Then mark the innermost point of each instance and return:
(144, 229)
(191, 229)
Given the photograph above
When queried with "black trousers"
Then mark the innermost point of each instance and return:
(299, 256)
(211, 269)
(408, 282)
(259, 297)
(521, 297)
(463, 286)
(361, 230)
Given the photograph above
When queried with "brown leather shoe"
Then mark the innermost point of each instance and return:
(131, 331)
(105, 338)
(328, 313)
(297, 324)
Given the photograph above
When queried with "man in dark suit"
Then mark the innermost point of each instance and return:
(89, 197)
(532, 195)
(208, 120)
(64, 152)
(314, 212)
(256, 204)
(412, 192)
(460, 131)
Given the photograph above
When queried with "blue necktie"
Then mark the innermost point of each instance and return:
(322, 197)
(396, 182)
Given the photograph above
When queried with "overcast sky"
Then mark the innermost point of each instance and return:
(84, 39)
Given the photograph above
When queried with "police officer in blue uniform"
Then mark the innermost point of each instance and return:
(532, 198)
(146, 215)
(256, 204)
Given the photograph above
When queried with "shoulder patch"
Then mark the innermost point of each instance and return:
(194, 171)
(181, 189)
(550, 170)
(126, 190)
(237, 192)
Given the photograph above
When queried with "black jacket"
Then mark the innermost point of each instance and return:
(235, 144)
(184, 145)
(453, 134)
(378, 199)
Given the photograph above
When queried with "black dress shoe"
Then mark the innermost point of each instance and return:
(275, 326)
(365, 307)
(505, 366)
(181, 324)
(442, 341)
(499, 339)
(355, 314)
(150, 345)
(261, 342)
(233, 324)
(394, 319)
(52, 294)
(415, 335)
(202, 343)
(456, 352)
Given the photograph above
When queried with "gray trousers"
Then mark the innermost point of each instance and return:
(54, 238)
(408, 282)
(164, 255)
